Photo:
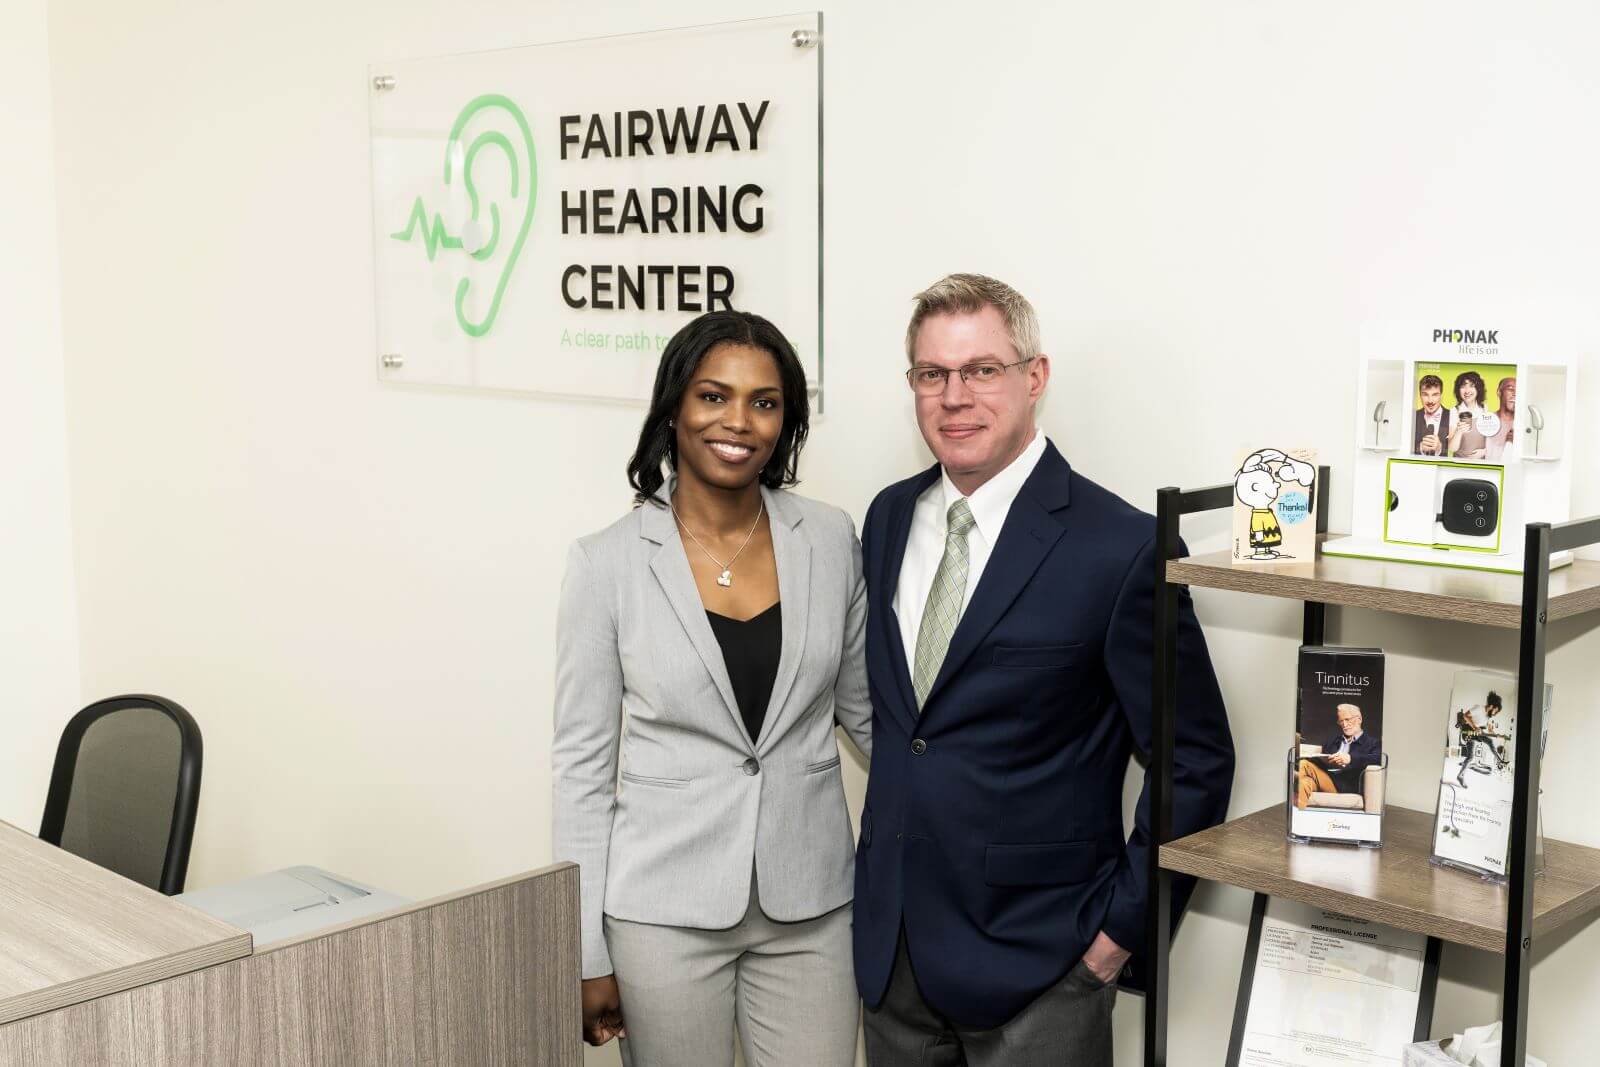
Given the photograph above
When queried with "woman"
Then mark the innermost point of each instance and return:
(724, 617)
(1466, 442)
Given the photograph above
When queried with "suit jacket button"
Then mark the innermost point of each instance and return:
(752, 767)
(919, 746)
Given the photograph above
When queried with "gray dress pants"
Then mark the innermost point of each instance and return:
(1068, 1025)
(789, 986)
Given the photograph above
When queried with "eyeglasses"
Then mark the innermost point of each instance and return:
(982, 377)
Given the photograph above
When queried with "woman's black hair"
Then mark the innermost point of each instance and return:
(658, 442)
(1476, 379)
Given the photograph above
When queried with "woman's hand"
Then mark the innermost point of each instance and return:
(602, 1010)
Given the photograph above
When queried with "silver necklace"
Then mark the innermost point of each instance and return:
(724, 579)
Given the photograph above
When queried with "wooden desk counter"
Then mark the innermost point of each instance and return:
(71, 931)
(487, 975)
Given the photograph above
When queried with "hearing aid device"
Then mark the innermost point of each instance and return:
(1471, 507)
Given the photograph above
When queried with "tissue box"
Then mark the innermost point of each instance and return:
(1427, 1054)
(1433, 1054)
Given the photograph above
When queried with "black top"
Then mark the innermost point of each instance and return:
(750, 649)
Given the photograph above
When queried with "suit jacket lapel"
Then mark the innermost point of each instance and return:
(881, 605)
(792, 551)
(671, 568)
(1031, 530)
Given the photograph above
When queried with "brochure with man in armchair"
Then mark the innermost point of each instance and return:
(1337, 767)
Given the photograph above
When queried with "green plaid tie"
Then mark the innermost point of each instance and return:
(943, 610)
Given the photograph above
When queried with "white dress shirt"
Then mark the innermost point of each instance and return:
(990, 505)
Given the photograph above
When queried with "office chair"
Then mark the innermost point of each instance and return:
(125, 789)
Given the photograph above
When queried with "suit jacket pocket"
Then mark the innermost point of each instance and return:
(1060, 863)
(662, 783)
(1036, 657)
(825, 765)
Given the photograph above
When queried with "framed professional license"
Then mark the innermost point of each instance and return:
(1322, 989)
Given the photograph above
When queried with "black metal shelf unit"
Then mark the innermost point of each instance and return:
(1543, 539)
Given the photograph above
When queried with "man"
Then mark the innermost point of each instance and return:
(1473, 734)
(1343, 760)
(1009, 650)
(1432, 425)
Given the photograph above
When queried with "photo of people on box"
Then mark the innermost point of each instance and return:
(1452, 418)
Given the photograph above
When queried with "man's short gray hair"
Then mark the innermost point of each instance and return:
(964, 294)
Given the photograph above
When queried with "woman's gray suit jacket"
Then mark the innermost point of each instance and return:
(640, 683)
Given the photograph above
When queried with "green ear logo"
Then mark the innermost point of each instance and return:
(497, 124)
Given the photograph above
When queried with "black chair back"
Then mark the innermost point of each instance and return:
(125, 789)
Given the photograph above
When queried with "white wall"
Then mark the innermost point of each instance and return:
(352, 586)
(38, 617)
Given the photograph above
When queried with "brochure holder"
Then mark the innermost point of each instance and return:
(1483, 872)
(1338, 818)
(1473, 811)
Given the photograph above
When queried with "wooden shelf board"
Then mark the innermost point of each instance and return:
(1481, 597)
(1394, 884)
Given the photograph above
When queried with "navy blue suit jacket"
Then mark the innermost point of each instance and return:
(1363, 753)
(992, 829)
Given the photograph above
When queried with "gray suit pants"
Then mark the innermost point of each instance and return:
(790, 986)
(1068, 1025)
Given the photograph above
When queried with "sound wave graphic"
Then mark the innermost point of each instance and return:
(434, 235)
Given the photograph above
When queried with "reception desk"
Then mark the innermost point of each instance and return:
(95, 969)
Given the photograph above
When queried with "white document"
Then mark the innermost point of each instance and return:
(1330, 990)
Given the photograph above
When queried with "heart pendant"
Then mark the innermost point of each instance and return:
(725, 578)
